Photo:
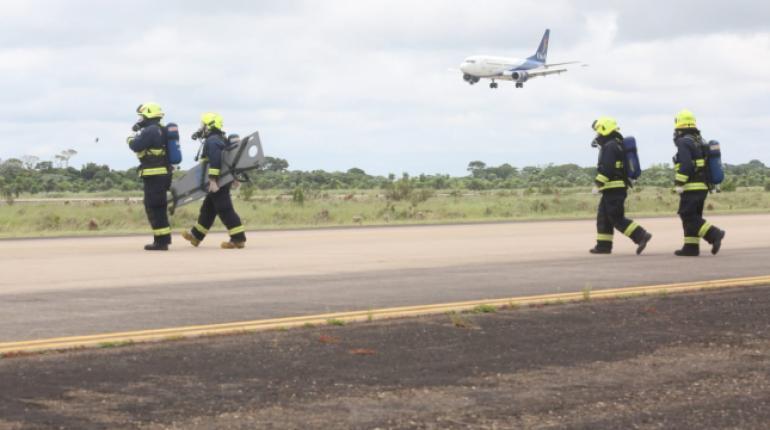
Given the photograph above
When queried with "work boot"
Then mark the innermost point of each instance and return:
(688, 250)
(156, 247)
(600, 250)
(717, 243)
(194, 241)
(643, 243)
(233, 245)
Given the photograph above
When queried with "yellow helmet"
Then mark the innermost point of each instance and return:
(684, 119)
(212, 120)
(150, 110)
(605, 125)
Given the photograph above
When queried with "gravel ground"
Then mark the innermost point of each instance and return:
(697, 361)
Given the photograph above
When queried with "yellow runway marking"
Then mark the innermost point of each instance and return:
(111, 339)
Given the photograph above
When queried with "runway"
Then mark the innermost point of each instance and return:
(68, 287)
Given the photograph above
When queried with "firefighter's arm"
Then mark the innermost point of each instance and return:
(684, 165)
(144, 139)
(214, 151)
(604, 168)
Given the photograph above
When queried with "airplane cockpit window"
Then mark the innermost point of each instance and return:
(470, 61)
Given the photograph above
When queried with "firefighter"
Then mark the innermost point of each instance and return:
(611, 181)
(149, 144)
(218, 201)
(690, 183)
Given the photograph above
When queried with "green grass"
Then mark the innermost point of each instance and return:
(275, 210)
(484, 309)
(335, 322)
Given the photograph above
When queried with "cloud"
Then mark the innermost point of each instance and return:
(336, 84)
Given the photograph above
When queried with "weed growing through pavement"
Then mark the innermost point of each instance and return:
(587, 293)
(115, 344)
(459, 321)
(308, 325)
(484, 309)
(369, 316)
(336, 322)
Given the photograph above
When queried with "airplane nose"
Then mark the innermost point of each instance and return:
(463, 66)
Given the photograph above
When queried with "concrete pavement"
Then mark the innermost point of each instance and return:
(62, 287)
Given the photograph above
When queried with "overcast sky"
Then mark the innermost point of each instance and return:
(336, 84)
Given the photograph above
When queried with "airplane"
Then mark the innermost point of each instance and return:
(511, 69)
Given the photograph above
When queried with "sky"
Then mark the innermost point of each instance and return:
(337, 84)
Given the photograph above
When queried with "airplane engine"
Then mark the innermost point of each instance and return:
(520, 76)
(470, 79)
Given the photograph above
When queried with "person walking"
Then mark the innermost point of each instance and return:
(611, 181)
(150, 146)
(218, 201)
(690, 183)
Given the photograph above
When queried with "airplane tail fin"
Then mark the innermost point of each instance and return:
(542, 50)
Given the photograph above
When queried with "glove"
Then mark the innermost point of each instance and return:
(213, 187)
(130, 139)
(595, 190)
(679, 189)
(199, 133)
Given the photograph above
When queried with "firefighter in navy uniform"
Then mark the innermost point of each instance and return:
(218, 201)
(149, 144)
(690, 183)
(611, 182)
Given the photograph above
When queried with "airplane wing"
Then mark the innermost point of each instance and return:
(545, 72)
(560, 64)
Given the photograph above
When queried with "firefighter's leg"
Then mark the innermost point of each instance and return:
(603, 229)
(156, 206)
(224, 207)
(616, 211)
(691, 223)
(206, 219)
(709, 232)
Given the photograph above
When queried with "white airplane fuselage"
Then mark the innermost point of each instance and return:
(504, 68)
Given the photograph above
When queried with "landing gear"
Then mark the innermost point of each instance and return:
(519, 85)
(493, 85)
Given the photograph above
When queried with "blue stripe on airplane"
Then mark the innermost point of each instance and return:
(528, 65)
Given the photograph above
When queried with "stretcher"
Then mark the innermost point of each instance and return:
(240, 157)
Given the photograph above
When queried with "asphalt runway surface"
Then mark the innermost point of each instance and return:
(80, 286)
(683, 361)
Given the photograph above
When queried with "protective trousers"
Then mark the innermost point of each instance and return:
(156, 206)
(612, 215)
(695, 227)
(219, 204)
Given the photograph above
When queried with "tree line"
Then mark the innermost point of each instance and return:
(29, 175)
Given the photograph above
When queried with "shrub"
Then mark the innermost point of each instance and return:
(728, 185)
(298, 196)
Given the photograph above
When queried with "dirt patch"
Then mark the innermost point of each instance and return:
(690, 361)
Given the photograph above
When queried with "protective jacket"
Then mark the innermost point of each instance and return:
(610, 173)
(218, 203)
(150, 147)
(213, 146)
(689, 161)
